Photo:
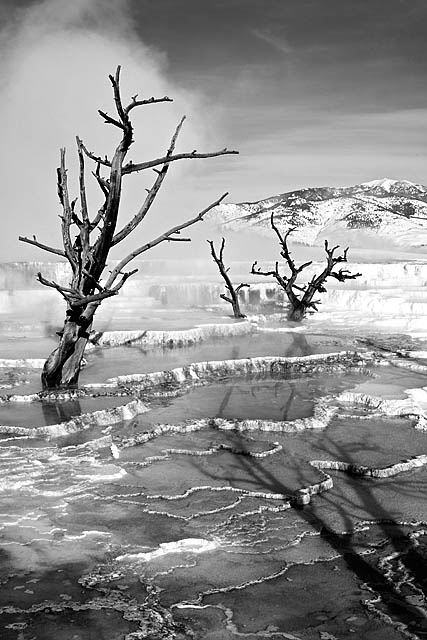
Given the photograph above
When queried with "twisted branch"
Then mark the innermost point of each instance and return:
(76, 299)
(301, 303)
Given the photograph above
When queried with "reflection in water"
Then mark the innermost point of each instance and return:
(56, 412)
(229, 391)
(299, 345)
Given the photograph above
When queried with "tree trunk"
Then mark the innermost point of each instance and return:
(296, 314)
(62, 368)
(234, 301)
(236, 307)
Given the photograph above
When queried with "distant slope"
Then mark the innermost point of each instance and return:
(317, 212)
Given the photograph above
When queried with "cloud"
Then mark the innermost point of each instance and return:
(306, 148)
(57, 56)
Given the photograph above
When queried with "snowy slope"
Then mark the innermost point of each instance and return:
(386, 208)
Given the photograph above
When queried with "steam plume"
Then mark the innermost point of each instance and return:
(56, 59)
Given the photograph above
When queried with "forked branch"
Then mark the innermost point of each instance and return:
(167, 236)
(233, 292)
(301, 298)
(76, 299)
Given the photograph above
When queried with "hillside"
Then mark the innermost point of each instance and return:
(386, 208)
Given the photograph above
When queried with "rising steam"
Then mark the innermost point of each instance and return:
(56, 57)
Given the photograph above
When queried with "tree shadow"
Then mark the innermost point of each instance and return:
(401, 606)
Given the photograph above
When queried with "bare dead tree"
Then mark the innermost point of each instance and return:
(88, 251)
(233, 297)
(301, 297)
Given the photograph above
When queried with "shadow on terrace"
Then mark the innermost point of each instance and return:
(402, 584)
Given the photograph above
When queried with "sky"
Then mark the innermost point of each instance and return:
(311, 93)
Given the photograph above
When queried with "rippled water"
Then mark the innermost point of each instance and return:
(207, 511)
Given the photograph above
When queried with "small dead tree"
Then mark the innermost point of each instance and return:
(233, 297)
(88, 251)
(301, 297)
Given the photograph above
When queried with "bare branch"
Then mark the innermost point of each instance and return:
(132, 168)
(241, 286)
(330, 252)
(161, 238)
(104, 293)
(139, 103)
(95, 282)
(145, 207)
(96, 297)
(105, 187)
(83, 198)
(45, 247)
(67, 211)
(344, 274)
(257, 271)
(99, 216)
(233, 299)
(103, 183)
(125, 276)
(221, 252)
(111, 209)
(285, 253)
(115, 81)
(109, 120)
(76, 299)
(54, 285)
(102, 161)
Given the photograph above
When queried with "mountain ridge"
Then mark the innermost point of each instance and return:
(395, 209)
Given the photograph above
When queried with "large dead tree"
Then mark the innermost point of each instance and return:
(87, 240)
(233, 292)
(301, 297)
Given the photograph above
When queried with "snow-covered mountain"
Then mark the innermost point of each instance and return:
(388, 208)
